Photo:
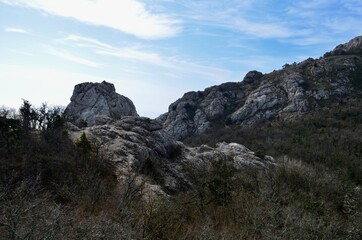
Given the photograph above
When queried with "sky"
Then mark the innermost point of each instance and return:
(154, 51)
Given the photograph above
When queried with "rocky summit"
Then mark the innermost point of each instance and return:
(297, 89)
(92, 101)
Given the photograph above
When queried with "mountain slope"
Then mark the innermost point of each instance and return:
(296, 90)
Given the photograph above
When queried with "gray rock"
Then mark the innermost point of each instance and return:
(130, 141)
(354, 46)
(253, 77)
(194, 112)
(295, 90)
(239, 155)
(90, 101)
(133, 143)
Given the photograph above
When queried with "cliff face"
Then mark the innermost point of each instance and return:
(296, 89)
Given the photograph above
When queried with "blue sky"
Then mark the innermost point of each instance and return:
(153, 51)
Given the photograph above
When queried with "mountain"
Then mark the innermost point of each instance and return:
(297, 89)
(102, 172)
(134, 142)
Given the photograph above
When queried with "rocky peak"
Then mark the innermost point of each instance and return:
(288, 93)
(353, 47)
(93, 100)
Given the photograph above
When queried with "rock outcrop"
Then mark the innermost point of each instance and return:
(288, 93)
(149, 148)
(195, 111)
(135, 143)
(140, 146)
(95, 100)
(353, 47)
(240, 156)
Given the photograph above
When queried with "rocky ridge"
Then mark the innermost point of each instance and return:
(94, 100)
(296, 89)
(140, 145)
(149, 148)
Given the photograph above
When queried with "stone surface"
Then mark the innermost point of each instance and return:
(295, 90)
(97, 100)
(195, 111)
(352, 47)
(133, 143)
(240, 156)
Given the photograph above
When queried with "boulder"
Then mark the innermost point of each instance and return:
(94, 102)
(240, 156)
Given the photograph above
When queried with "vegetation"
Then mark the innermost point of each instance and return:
(328, 139)
(52, 188)
(41, 170)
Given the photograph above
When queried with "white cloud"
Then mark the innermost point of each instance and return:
(263, 30)
(85, 42)
(16, 30)
(72, 58)
(251, 18)
(327, 21)
(139, 54)
(136, 54)
(129, 16)
(133, 53)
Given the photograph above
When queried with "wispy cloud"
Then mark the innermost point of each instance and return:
(72, 58)
(129, 16)
(16, 30)
(327, 22)
(263, 30)
(128, 52)
(300, 22)
(245, 17)
(140, 54)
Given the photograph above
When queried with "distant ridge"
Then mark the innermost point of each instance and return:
(295, 90)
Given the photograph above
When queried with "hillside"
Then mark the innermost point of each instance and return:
(331, 81)
(96, 170)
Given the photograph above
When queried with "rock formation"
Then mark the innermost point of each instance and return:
(140, 145)
(149, 148)
(94, 100)
(296, 89)
(353, 47)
